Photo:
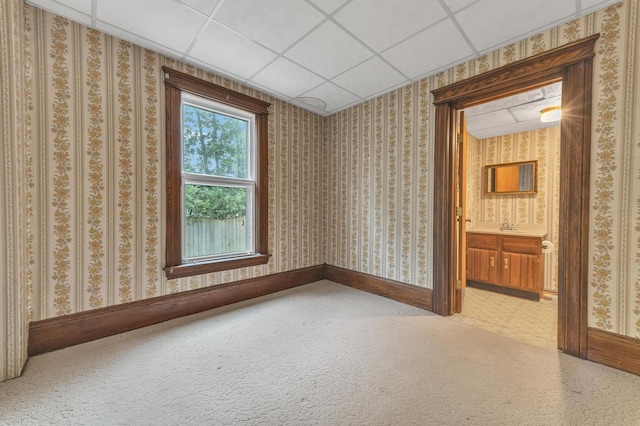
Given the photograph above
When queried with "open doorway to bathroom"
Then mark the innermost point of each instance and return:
(573, 65)
(504, 137)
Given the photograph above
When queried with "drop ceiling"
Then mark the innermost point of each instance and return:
(514, 114)
(322, 55)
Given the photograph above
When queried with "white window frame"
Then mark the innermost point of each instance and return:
(249, 183)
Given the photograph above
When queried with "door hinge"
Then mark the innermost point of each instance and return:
(459, 285)
(458, 211)
(460, 138)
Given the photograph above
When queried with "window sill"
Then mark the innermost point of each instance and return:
(191, 269)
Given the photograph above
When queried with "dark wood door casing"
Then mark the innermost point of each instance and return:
(573, 65)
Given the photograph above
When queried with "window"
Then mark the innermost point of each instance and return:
(216, 177)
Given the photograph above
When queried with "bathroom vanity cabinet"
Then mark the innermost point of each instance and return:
(510, 261)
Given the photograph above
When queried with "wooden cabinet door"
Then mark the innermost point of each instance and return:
(521, 271)
(481, 265)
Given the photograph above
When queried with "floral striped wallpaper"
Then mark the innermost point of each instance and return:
(542, 208)
(96, 181)
(378, 186)
(614, 300)
(378, 157)
(13, 119)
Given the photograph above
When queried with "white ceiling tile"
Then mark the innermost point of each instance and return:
(552, 90)
(266, 90)
(333, 96)
(491, 119)
(597, 4)
(215, 70)
(309, 106)
(223, 49)
(491, 23)
(328, 51)
(297, 79)
(510, 129)
(150, 19)
(82, 6)
(369, 78)
(270, 22)
(311, 102)
(456, 5)
(426, 52)
(328, 6)
(137, 40)
(381, 23)
(202, 6)
(498, 104)
(76, 10)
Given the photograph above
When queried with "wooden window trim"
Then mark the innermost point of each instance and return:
(175, 83)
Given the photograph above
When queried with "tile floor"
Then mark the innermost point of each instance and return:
(518, 318)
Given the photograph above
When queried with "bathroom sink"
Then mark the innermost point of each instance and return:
(524, 232)
(522, 229)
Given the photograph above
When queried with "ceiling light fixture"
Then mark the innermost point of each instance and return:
(550, 114)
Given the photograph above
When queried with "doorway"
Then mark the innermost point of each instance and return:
(572, 64)
(511, 174)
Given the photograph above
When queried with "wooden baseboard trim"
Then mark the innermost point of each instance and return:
(68, 330)
(396, 290)
(603, 347)
(614, 350)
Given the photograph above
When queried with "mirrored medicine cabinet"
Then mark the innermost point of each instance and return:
(511, 178)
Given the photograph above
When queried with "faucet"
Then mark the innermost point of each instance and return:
(506, 226)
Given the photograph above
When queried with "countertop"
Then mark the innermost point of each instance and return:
(515, 233)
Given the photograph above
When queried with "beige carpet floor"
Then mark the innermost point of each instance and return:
(320, 354)
(530, 321)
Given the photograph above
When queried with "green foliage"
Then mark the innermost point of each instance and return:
(216, 145)
(215, 202)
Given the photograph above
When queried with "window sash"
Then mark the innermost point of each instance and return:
(249, 242)
(226, 110)
(249, 183)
